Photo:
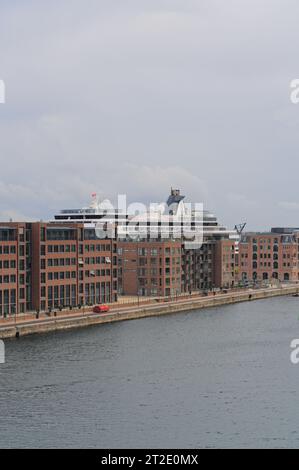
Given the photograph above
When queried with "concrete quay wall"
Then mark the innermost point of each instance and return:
(67, 322)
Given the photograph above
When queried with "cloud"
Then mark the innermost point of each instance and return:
(134, 97)
(153, 183)
(11, 215)
(288, 205)
(240, 199)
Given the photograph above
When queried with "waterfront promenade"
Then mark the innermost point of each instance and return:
(28, 323)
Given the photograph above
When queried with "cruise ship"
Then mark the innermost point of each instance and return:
(174, 219)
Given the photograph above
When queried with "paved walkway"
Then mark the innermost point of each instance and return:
(116, 309)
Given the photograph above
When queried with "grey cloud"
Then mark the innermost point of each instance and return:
(137, 96)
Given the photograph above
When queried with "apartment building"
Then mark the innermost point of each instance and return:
(197, 268)
(149, 268)
(264, 256)
(224, 263)
(15, 280)
(71, 266)
(64, 263)
(210, 266)
(45, 266)
(167, 268)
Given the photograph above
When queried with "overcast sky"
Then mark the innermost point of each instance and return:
(133, 96)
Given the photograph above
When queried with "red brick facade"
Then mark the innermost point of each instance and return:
(161, 268)
(211, 266)
(224, 263)
(270, 255)
(44, 266)
(14, 280)
(149, 268)
(71, 267)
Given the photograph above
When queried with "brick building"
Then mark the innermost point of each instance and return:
(212, 265)
(167, 268)
(71, 266)
(46, 265)
(149, 268)
(197, 268)
(224, 263)
(269, 255)
(15, 281)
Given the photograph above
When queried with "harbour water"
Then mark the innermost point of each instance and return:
(219, 377)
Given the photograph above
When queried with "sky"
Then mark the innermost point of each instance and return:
(135, 96)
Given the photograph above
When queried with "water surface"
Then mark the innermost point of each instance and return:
(218, 377)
